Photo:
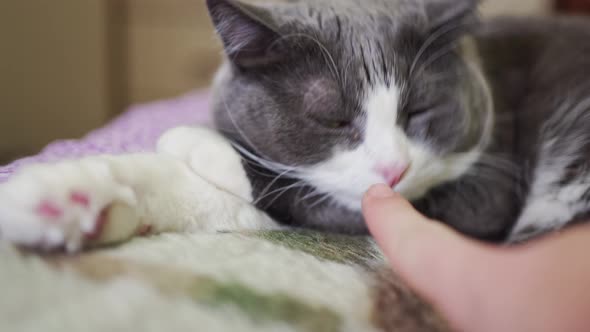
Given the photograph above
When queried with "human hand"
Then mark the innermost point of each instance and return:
(543, 286)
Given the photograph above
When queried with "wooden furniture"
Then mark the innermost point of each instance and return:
(171, 49)
(574, 6)
(53, 80)
(67, 66)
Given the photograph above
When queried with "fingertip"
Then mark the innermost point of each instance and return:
(392, 220)
(379, 196)
(380, 191)
(381, 205)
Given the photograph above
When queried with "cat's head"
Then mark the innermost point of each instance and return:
(344, 94)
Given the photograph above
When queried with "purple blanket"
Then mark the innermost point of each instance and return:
(137, 130)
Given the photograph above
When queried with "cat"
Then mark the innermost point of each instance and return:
(480, 124)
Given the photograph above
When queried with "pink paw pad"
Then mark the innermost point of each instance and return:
(144, 230)
(49, 210)
(80, 198)
(101, 222)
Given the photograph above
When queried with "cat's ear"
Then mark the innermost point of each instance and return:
(248, 32)
(451, 12)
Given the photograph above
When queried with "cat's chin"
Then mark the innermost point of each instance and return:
(410, 192)
(353, 202)
(348, 201)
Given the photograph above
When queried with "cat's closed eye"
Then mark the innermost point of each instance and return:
(335, 124)
(328, 115)
(423, 108)
(417, 117)
(322, 104)
(418, 111)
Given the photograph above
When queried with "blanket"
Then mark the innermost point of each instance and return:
(247, 281)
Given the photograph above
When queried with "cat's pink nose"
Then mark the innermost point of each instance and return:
(392, 174)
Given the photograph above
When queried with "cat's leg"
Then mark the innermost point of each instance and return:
(552, 204)
(484, 207)
(107, 199)
(559, 192)
(210, 155)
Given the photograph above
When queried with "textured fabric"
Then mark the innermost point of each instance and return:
(262, 281)
(137, 130)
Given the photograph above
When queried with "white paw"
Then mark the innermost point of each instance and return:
(59, 206)
(210, 156)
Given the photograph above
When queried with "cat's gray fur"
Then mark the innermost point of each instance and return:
(538, 71)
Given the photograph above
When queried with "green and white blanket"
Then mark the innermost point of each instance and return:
(267, 281)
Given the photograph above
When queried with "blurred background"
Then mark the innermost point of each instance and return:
(68, 66)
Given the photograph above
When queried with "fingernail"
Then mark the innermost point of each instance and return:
(380, 191)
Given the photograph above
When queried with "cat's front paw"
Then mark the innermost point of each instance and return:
(209, 155)
(60, 206)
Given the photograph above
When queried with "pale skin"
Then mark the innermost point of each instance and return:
(542, 286)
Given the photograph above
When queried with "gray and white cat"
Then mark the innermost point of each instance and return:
(482, 125)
